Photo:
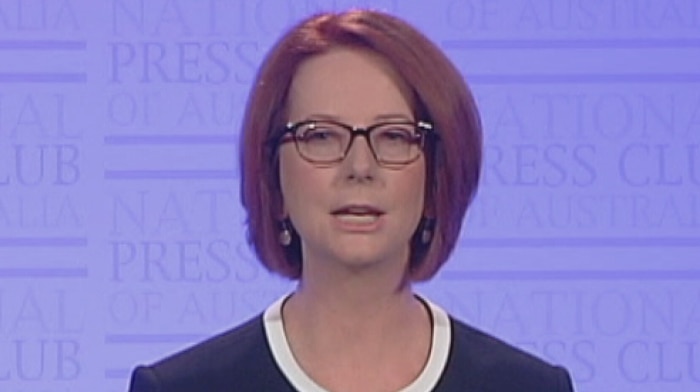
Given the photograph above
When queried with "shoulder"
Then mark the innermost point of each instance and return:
(219, 352)
(487, 363)
(228, 360)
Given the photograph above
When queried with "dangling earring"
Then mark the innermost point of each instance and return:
(285, 234)
(427, 234)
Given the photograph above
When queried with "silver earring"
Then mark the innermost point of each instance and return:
(285, 234)
(426, 235)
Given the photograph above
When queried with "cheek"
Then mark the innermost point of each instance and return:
(410, 192)
(298, 184)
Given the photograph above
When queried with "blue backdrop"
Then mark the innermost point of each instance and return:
(121, 233)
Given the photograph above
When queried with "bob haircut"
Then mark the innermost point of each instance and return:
(440, 96)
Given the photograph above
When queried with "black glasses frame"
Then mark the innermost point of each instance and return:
(424, 129)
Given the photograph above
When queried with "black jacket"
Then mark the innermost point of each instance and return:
(240, 360)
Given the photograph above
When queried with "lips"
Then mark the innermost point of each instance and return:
(359, 210)
(357, 215)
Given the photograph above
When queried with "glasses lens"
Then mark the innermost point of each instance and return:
(396, 143)
(328, 142)
(322, 142)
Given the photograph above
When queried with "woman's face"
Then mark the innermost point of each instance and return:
(355, 213)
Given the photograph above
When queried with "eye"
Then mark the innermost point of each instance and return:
(319, 133)
(396, 134)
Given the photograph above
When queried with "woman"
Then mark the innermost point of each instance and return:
(361, 152)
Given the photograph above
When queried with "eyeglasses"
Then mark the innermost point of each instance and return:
(328, 142)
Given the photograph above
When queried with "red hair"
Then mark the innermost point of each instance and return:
(440, 96)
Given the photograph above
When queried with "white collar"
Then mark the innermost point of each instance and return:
(426, 380)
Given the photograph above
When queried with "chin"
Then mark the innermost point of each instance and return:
(367, 258)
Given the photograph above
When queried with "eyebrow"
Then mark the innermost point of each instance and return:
(393, 117)
(378, 118)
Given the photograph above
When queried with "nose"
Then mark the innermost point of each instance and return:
(359, 161)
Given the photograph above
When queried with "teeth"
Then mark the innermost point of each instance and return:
(354, 218)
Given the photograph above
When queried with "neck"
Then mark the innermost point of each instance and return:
(335, 327)
(353, 299)
(357, 304)
(359, 291)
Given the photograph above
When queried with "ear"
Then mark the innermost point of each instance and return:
(428, 210)
(278, 207)
(281, 210)
(430, 192)
(429, 201)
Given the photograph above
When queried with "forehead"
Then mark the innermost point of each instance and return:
(348, 83)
